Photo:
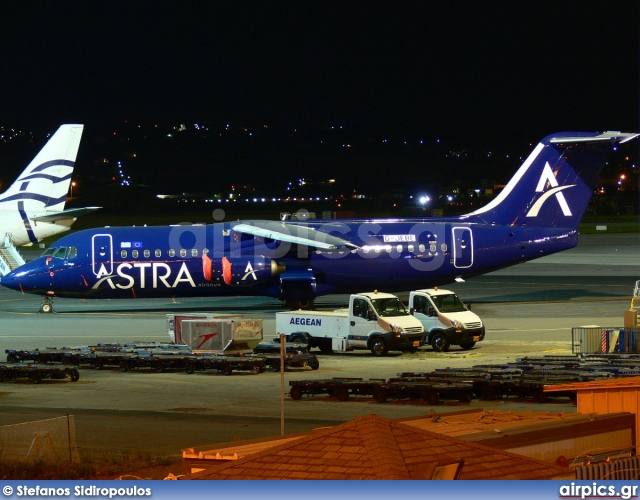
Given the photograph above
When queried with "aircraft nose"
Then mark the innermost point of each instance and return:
(26, 278)
(11, 280)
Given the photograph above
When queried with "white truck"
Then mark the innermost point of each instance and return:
(376, 321)
(445, 318)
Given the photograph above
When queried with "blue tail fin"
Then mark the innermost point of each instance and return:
(553, 186)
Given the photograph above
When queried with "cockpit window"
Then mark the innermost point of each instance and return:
(72, 253)
(60, 253)
(49, 251)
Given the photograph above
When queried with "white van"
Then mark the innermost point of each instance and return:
(446, 320)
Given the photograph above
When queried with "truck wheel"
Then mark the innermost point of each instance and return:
(73, 375)
(98, 364)
(378, 347)
(467, 345)
(439, 342)
(295, 393)
(35, 377)
(124, 365)
(314, 364)
(159, 367)
(301, 338)
(189, 368)
(11, 358)
(325, 346)
(226, 370)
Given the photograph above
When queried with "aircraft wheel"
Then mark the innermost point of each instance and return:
(378, 347)
(439, 342)
(46, 307)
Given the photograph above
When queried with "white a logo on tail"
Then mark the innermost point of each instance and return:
(547, 176)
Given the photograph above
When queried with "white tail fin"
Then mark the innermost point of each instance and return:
(44, 184)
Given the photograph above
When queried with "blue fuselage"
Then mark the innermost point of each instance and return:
(214, 260)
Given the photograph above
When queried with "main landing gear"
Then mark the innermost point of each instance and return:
(47, 305)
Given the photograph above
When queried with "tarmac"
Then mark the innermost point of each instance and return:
(529, 310)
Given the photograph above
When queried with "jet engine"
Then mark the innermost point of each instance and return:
(240, 271)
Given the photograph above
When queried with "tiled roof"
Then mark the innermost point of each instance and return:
(609, 383)
(474, 425)
(373, 447)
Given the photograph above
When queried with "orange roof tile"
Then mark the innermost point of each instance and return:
(373, 447)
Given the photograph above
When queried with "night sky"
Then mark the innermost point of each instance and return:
(478, 71)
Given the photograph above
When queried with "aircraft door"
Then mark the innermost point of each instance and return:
(462, 247)
(102, 254)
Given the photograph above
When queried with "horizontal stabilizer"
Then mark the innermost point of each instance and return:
(293, 233)
(72, 213)
(614, 136)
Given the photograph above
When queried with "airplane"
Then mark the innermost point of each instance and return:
(33, 207)
(536, 214)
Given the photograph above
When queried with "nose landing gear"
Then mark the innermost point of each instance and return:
(47, 304)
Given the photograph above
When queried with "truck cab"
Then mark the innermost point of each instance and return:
(446, 319)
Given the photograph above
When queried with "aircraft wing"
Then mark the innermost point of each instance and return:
(71, 213)
(293, 233)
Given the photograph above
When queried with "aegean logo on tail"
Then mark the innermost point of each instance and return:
(547, 176)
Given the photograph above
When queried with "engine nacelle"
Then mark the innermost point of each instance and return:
(240, 271)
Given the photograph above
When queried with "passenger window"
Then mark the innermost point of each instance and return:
(123, 254)
(183, 252)
(147, 253)
(399, 248)
(194, 252)
(421, 247)
(134, 254)
(158, 253)
(172, 252)
(410, 248)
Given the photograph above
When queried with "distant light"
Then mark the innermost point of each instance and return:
(424, 199)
